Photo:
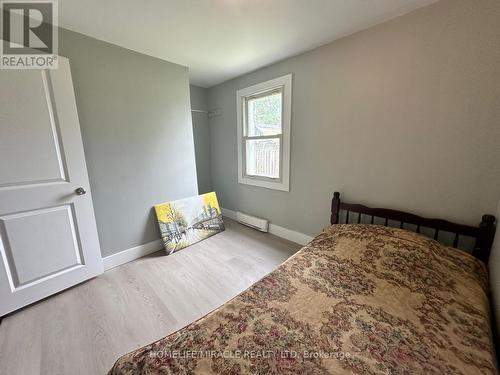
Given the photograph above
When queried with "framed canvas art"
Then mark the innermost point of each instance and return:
(186, 221)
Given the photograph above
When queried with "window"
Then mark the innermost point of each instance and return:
(264, 112)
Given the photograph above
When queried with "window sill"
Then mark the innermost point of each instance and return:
(282, 186)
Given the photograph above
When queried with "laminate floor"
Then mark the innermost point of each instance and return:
(83, 330)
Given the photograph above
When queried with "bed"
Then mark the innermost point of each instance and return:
(358, 299)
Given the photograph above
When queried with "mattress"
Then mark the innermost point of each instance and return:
(358, 299)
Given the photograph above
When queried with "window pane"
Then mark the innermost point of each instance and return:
(263, 157)
(264, 115)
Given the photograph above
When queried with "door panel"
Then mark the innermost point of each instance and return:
(48, 235)
(32, 264)
(29, 133)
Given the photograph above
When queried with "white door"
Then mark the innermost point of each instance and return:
(48, 236)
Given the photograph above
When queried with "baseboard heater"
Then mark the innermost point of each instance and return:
(253, 222)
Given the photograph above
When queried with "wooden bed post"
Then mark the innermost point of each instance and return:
(483, 233)
(334, 218)
(485, 238)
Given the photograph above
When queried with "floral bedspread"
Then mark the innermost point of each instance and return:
(359, 299)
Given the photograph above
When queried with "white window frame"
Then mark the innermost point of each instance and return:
(283, 182)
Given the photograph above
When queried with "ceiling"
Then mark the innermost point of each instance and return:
(222, 39)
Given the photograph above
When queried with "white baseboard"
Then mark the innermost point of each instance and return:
(288, 234)
(131, 254)
(137, 252)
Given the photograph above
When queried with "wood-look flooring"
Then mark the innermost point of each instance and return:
(83, 330)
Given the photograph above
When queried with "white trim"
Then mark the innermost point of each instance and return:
(287, 234)
(290, 235)
(125, 256)
(286, 83)
(128, 255)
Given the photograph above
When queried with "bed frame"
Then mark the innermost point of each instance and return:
(483, 234)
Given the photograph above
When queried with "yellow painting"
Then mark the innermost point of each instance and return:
(187, 221)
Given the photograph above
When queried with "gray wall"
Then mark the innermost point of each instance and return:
(201, 134)
(403, 115)
(136, 126)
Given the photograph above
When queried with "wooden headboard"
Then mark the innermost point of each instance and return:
(483, 233)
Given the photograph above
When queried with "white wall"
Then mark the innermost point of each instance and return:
(403, 115)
